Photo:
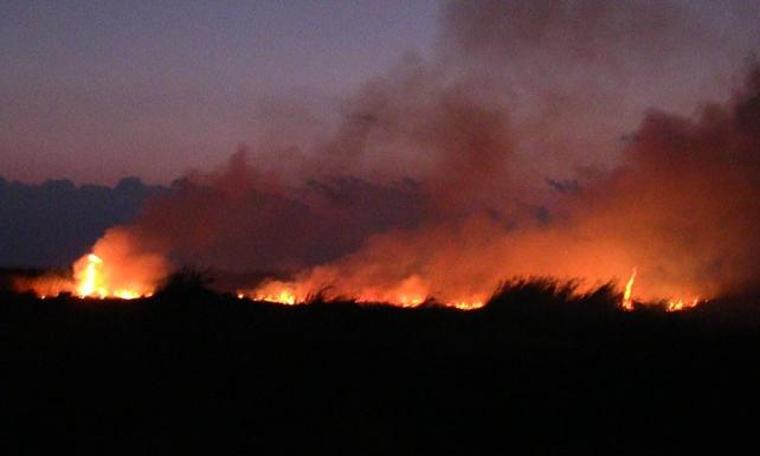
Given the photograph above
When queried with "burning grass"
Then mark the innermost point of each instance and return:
(563, 363)
(188, 283)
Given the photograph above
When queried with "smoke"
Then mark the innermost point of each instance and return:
(581, 73)
(500, 155)
(684, 208)
(239, 219)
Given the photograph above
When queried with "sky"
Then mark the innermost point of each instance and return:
(97, 90)
(94, 91)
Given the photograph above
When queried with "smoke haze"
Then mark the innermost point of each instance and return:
(523, 147)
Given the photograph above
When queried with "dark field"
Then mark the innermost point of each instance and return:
(537, 370)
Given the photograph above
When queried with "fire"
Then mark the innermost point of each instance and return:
(676, 305)
(410, 301)
(113, 271)
(671, 305)
(627, 303)
(288, 293)
(467, 305)
(93, 277)
(117, 267)
(127, 294)
(282, 297)
(92, 282)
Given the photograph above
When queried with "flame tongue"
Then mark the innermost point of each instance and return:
(91, 283)
(293, 294)
(100, 276)
(672, 305)
(627, 303)
(676, 305)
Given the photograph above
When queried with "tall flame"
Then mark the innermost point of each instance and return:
(671, 305)
(91, 284)
(627, 303)
(92, 281)
(95, 276)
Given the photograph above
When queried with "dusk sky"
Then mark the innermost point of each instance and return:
(97, 90)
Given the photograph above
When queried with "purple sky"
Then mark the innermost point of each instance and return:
(96, 90)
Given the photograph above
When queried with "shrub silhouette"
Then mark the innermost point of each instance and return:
(543, 365)
(187, 283)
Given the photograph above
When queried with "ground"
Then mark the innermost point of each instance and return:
(535, 370)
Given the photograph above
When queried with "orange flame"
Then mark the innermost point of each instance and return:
(118, 266)
(91, 284)
(113, 270)
(92, 281)
(284, 296)
(408, 295)
(93, 278)
(671, 305)
(627, 303)
(676, 305)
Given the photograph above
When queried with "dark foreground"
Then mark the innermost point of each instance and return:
(535, 371)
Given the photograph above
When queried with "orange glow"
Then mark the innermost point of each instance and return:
(677, 305)
(282, 297)
(294, 293)
(671, 305)
(117, 268)
(92, 278)
(92, 281)
(468, 305)
(410, 301)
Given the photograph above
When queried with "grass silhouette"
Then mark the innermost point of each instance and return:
(541, 369)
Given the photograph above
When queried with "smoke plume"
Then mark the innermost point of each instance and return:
(516, 149)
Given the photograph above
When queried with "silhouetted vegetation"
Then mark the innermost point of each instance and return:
(542, 367)
(187, 283)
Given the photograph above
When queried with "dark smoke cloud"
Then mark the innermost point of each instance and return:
(239, 219)
(425, 124)
(501, 155)
(581, 73)
(684, 208)
(690, 189)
